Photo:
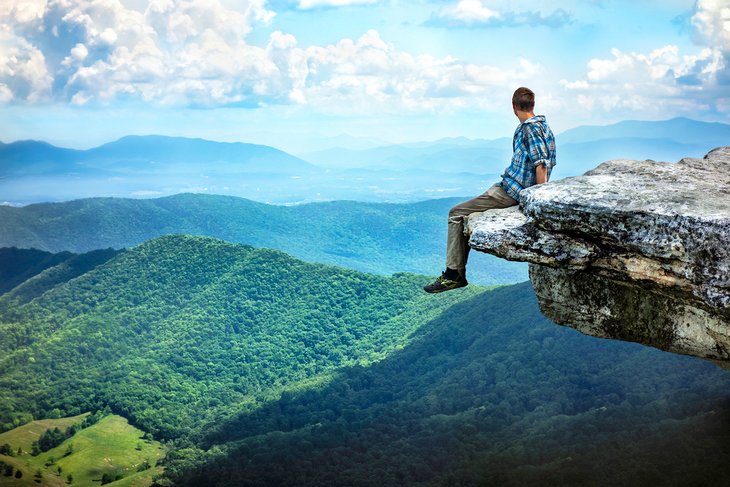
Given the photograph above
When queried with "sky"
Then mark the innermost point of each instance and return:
(292, 73)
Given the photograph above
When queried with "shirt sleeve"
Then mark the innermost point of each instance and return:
(537, 146)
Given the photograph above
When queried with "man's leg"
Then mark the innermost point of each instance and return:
(457, 243)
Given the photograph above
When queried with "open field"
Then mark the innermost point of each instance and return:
(111, 447)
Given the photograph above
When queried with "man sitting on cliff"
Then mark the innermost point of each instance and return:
(533, 159)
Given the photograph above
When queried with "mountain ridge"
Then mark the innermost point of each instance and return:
(371, 237)
(196, 325)
(155, 149)
(682, 129)
(144, 166)
(579, 149)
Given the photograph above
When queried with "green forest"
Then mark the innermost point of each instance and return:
(244, 360)
(180, 331)
(489, 393)
(371, 237)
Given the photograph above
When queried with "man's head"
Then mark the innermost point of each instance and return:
(523, 102)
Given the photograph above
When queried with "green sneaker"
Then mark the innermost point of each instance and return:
(442, 283)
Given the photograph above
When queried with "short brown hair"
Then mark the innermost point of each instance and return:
(523, 99)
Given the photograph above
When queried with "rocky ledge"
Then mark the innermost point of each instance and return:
(632, 250)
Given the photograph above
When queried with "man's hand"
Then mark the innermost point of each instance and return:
(541, 175)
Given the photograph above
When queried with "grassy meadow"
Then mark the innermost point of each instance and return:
(111, 447)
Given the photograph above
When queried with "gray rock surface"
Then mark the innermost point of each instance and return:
(633, 250)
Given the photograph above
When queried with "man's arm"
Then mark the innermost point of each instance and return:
(541, 175)
(539, 153)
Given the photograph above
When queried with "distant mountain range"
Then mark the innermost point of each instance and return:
(148, 154)
(683, 130)
(579, 149)
(583, 148)
(446, 155)
(352, 169)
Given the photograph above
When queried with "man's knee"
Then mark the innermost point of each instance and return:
(459, 211)
(454, 212)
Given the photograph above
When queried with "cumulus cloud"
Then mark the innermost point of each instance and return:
(195, 53)
(23, 71)
(371, 74)
(470, 11)
(99, 50)
(477, 13)
(712, 22)
(664, 80)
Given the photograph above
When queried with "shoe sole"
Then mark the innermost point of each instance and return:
(436, 291)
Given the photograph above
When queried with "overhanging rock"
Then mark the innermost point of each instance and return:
(632, 250)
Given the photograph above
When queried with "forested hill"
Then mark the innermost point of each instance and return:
(181, 331)
(370, 237)
(488, 393)
(247, 359)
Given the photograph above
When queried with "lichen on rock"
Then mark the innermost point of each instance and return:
(633, 250)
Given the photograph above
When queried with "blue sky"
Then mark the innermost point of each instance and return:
(290, 73)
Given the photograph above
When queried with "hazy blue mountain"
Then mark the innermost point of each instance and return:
(578, 157)
(151, 153)
(148, 166)
(223, 157)
(683, 130)
(443, 156)
(31, 157)
(372, 237)
(584, 148)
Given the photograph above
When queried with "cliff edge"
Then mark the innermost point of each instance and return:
(632, 250)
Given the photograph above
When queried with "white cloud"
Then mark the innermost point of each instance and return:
(712, 22)
(6, 94)
(99, 50)
(659, 81)
(310, 4)
(23, 71)
(664, 81)
(370, 75)
(79, 52)
(195, 53)
(482, 13)
(470, 11)
(23, 11)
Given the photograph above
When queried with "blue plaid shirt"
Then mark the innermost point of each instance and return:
(533, 144)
